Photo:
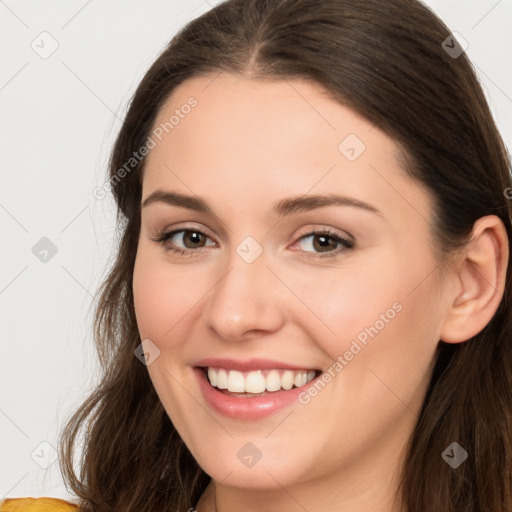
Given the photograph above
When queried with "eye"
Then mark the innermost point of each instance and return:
(318, 244)
(326, 244)
(189, 238)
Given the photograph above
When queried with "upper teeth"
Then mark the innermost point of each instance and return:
(257, 381)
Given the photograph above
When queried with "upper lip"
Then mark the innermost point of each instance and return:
(249, 364)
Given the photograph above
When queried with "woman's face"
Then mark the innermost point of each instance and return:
(255, 283)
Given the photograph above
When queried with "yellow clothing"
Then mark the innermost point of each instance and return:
(37, 505)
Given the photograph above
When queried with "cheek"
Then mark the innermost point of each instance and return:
(167, 297)
(383, 316)
(336, 305)
(161, 297)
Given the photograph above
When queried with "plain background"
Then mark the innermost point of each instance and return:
(59, 116)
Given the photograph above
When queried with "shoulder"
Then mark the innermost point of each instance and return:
(37, 505)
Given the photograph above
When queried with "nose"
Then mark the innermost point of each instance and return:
(245, 301)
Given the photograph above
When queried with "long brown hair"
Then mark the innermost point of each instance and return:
(387, 61)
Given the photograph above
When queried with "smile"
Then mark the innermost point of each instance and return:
(258, 382)
(252, 389)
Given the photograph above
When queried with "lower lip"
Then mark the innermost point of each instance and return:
(246, 408)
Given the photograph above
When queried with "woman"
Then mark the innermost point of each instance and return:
(310, 306)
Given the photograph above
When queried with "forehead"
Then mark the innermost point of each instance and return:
(262, 138)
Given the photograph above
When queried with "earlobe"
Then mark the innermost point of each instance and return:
(480, 278)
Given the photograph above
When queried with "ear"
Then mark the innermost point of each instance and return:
(480, 274)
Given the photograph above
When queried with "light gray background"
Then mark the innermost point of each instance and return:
(59, 117)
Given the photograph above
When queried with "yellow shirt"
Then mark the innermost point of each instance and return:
(37, 505)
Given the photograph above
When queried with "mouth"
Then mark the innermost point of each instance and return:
(257, 383)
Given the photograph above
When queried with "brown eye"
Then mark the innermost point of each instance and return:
(192, 238)
(330, 244)
(184, 239)
(323, 243)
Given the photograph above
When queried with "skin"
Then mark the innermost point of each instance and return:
(247, 144)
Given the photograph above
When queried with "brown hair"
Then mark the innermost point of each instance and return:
(386, 61)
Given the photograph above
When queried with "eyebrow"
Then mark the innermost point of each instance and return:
(281, 208)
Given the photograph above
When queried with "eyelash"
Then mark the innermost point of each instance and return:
(163, 237)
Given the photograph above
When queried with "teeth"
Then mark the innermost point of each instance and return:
(236, 382)
(254, 383)
(212, 375)
(258, 381)
(222, 379)
(287, 379)
(273, 381)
